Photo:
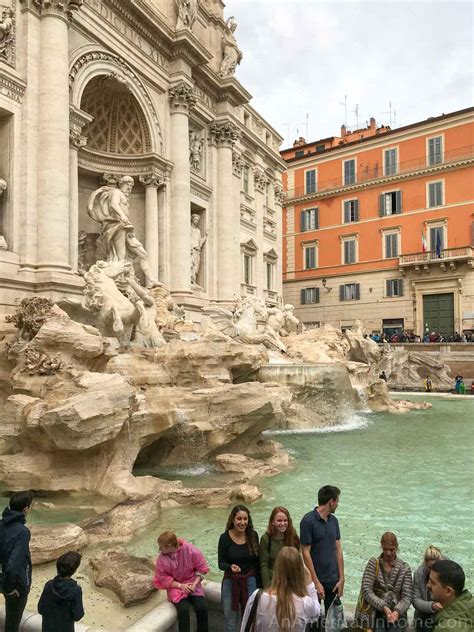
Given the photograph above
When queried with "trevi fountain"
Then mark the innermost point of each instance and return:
(150, 373)
(125, 417)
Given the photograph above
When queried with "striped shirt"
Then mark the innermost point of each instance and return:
(399, 582)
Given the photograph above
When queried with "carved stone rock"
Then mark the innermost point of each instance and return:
(129, 577)
(48, 542)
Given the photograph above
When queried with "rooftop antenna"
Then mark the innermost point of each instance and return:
(344, 103)
(394, 119)
(307, 123)
(356, 112)
(389, 112)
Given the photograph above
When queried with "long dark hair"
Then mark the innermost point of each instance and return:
(250, 535)
(290, 537)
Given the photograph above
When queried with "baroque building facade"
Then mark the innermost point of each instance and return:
(379, 226)
(95, 91)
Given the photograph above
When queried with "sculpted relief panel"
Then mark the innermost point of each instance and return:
(7, 32)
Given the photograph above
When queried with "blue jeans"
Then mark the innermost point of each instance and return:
(232, 617)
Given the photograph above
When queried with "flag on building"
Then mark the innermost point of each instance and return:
(424, 245)
(438, 244)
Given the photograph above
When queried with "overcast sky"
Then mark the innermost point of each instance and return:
(302, 56)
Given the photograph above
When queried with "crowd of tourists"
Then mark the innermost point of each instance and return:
(272, 584)
(402, 336)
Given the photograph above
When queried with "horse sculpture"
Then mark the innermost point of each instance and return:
(241, 324)
(114, 313)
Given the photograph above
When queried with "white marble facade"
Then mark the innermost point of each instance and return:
(93, 90)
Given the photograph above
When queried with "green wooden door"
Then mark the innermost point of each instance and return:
(438, 313)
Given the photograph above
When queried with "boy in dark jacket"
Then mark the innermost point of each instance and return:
(60, 603)
(15, 578)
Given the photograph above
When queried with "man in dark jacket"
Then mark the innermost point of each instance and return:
(60, 603)
(15, 579)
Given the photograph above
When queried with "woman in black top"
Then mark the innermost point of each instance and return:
(238, 558)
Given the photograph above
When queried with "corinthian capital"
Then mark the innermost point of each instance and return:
(182, 97)
(76, 140)
(153, 179)
(224, 133)
(57, 7)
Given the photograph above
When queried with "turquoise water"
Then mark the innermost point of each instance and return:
(411, 474)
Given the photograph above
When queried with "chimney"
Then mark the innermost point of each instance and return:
(299, 142)
(343, 131)
(373, 124)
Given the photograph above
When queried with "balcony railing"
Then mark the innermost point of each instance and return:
(366, 174)
(448, 254)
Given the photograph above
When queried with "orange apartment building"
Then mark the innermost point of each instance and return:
(378, 225)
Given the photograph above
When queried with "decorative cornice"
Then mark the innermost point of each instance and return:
(64, 8)
(11, 87)
(155, 179)
(123, 165)
(380, 181)
(182, 97)
(224, 133)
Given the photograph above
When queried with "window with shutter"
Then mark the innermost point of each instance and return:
(391, 245)
(311, 181)
(351, 211)
(303, 296)
(349, 171)
(309, 219)
(390, 162)
(390, 203)
(435, 194)
(349, 251)
(349, 292)
(435, 155)
(309, 257)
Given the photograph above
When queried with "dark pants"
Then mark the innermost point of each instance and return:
(184, 606)
(14, 608)
(329, 597)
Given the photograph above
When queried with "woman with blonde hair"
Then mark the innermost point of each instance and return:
(425, 607)
(386, 589)
(280, 532)
(291, 601)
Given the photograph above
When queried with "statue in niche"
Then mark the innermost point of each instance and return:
(110, 206)
(195, 151)
(6, 33)
(3, 241)
(232, 55)
(197, 242)
(187, 13)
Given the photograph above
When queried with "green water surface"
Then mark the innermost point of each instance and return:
(411, 474)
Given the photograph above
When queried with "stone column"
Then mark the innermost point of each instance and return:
(53, 135)
(225, 134)
(182, 99)
(152, 182)
(76, 141)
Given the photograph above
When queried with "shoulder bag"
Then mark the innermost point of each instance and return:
(249, 626)
(364, 616)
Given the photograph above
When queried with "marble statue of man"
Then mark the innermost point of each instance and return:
(187, 13)
(232, 54)
(6, 32)
(195, 151)
(197, 242)
(110, 207)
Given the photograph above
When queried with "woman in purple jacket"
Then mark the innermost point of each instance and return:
(180, 569)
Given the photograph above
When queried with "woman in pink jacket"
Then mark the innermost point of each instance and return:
(180, 569)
